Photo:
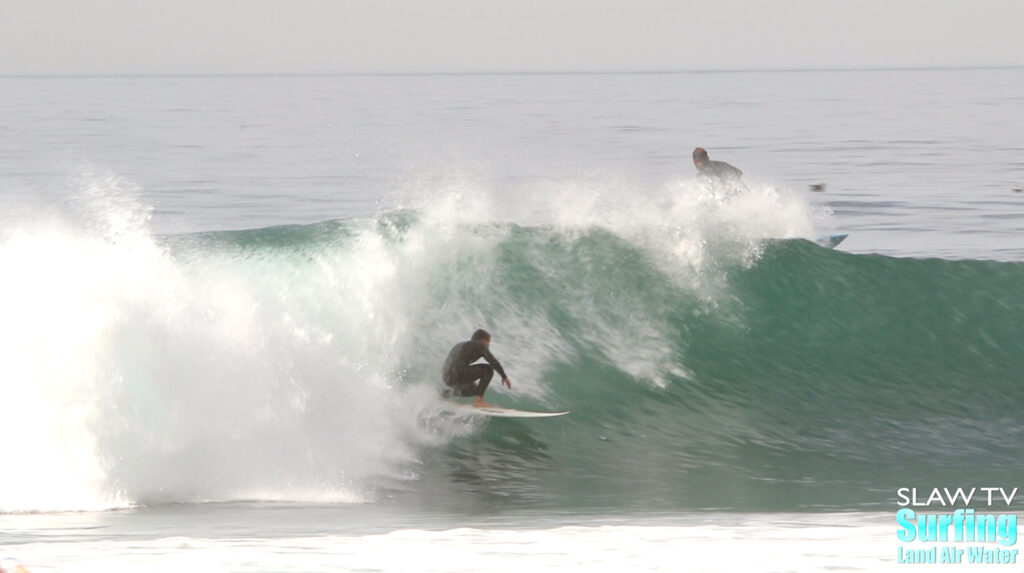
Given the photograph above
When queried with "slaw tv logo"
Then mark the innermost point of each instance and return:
(942, 525)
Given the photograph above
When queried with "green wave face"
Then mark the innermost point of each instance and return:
(776, 375)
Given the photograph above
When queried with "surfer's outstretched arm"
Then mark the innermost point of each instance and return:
(497, 366)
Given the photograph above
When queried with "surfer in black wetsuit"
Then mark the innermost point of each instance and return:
(714, 171)
(462, 376)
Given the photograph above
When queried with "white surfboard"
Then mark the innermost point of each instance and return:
(831, 241)
(496, 412)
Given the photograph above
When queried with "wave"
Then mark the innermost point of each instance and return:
(812, 379)
(706, 363)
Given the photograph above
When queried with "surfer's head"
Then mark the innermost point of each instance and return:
(482, 335)
(700, 156)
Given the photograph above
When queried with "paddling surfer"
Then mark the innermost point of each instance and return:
(468, 379)
(714, 171)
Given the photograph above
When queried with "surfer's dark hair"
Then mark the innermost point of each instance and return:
(481, 335)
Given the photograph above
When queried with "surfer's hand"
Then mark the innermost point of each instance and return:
(506, 383)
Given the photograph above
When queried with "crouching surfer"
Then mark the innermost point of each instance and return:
(463, 377)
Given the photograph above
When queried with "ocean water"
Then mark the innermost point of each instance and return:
(226, 301)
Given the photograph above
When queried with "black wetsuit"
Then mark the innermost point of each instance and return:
(719, 171)
(461, 374)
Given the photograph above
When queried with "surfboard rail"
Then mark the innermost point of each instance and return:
(496, 412)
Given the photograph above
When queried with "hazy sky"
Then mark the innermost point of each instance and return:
(327, 36)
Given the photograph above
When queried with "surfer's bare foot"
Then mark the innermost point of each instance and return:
(478, 402)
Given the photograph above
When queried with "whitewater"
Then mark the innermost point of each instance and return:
(215, 362)
(299, 362)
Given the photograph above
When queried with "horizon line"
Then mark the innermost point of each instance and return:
(590, 72)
